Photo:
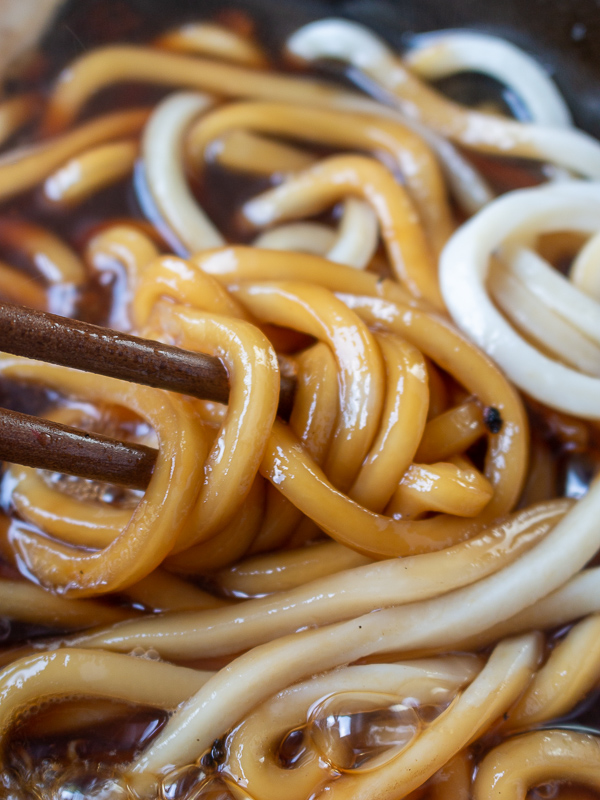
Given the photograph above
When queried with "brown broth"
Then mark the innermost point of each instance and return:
(32, 758)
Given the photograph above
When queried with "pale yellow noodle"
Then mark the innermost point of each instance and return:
(157, 520)
(426, 107)
(166, 198)
(304, 237)
(24, 168)
(542, 326)
(578, 597)
(255, 742)
(334, 178)
(408, 152)
(401, 425)
(110, 65)
(209, 39)
(16, 112)
(282, 571)
(448, 488)
(234, 458)
(508, 671)
(584, 272)
(159, 591)
(69, 673)
(26, 602)
(354, 243)
(502, 680)
(338, 596)
(19, 288)
(245, 151)
(451, 432)
(453, 781)
(571, 671)
(510, 770)
(95, 169)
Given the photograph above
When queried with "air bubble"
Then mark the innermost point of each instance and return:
(51, 780)
(191, 783)
(149, 654)
(355, 731)
(182, 783)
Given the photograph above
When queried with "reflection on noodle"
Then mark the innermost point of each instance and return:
(361, 600)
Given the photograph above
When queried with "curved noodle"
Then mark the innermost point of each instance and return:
(519, 764)
(279, 604)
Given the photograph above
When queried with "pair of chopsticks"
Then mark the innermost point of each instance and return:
(35, 442)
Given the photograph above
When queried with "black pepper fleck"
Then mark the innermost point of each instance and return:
(493, 419)
(217, 751)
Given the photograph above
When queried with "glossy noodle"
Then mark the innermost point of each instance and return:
(391, 593)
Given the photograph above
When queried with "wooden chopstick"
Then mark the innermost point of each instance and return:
(70, 343)
(36, 442)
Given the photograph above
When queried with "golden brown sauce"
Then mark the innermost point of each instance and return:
(48, 760)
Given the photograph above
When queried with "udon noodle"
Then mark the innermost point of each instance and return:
(390, 594)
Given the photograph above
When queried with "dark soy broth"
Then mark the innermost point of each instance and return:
(94, 752)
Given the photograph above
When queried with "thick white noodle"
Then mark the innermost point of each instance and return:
(358, 235)
(162, 153)
(419, 678)
(467, 185)
(416, 683)
(347, 594)
(440, 622)
(442, 53)
(542, 325)
(302, 237)
(585, 269)
(464, 267)
(353, 245)
(354, 44)
(576, 599)
(555, 291)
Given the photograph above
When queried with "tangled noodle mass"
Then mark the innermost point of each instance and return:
(393, 592)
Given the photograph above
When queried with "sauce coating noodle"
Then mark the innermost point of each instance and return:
(392, 593)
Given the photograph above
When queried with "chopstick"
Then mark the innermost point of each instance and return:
(35, 442)
(71, 343)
